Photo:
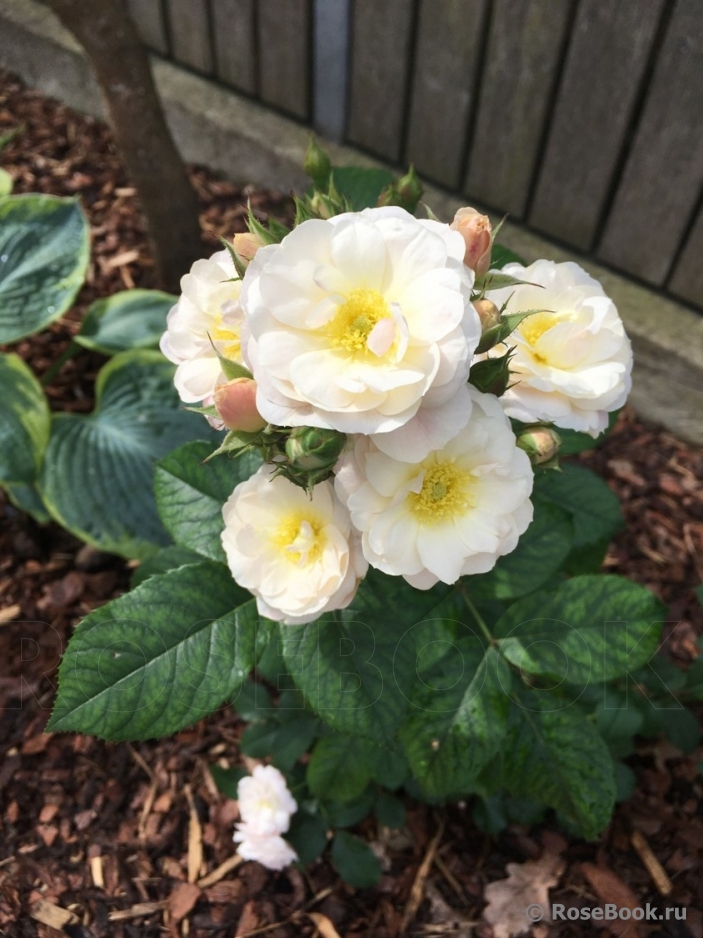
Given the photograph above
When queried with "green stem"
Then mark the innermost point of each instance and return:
(71, 349)
(477, 616)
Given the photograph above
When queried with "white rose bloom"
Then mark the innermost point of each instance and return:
(572, 365)
(207, 314)
(265, 804)
(451, 514)
(272, 852)
(363, 323)
(298, 555)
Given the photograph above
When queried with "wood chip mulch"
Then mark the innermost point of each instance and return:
(103, 840)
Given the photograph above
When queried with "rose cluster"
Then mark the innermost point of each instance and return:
(265, 807)
(379, 352)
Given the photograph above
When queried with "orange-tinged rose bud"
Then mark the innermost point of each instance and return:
(235, 402)
(488, 313)
(541, 444)
(246, 245)
(475, 229)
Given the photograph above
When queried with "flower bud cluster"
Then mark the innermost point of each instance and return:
(265, 807)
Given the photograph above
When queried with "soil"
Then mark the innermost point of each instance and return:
(109, 835)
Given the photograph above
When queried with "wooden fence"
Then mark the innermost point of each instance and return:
(581, 118)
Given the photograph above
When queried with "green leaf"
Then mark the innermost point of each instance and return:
(26, 498)
(682, 728)
(591, 628)
(489, 814)
(625, 781)
(97, 477)
(307, 835)
(168, 558)
(496, 281)
(190, 495)
(459, 710)
(390, 810)
(24, 423)
(253, 703)
(284, 744)
(44, 252)
(360, 185)
(557, 758)
(6, 183)
(159, 658)
(349, 813)
(340, 768)
(127, 320)
(540, 553)
(595, 509)
(354, 861)
(500, 256)
(357, 666)
(227, 779)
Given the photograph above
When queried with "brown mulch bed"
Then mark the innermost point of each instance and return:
(110, 834)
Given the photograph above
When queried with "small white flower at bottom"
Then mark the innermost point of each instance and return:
(271, 851)
(265, 804)
(449, 515)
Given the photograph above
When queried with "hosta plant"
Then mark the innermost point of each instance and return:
(383, 563)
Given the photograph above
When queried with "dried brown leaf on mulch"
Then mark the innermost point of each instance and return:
(101, 832)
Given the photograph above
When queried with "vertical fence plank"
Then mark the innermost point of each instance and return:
(687, 279)
(444, 80)
(524, 49)
(235, 46)
(664, 171)
(609, 50)
(381, 39)
(331, 66)
(148, 18)
(190, 33)
(284, 54)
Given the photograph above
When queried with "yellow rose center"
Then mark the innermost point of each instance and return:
(533, 328)
(231, 339)
(300, 539)
(446, 493)
(354, 321)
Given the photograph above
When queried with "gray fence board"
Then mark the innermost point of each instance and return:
(664, 171)
(284, 54)
(687, 279)
(609, 49)
(235, 46)
(148, 18)
(331, 66)
(524, 49)
(190, 33)
(444, 82)
(381, 37)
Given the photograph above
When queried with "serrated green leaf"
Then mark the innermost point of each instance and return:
(360, 185)
(253, 703)
(340, 767)
(355, 861)
(159, 658)
(307, 835)
(127, 320)
(284, 744)
(390, 811)
(44, 252)
(589, 629)
(356, 666)
(190, 495)
(169, 558)
(557, 758)
(227, 779)
(682, 728)
(97, 477)
(540, 553)
(349, 813)
(498, 281)
(24, 424)
(594, 507)
(500, 256)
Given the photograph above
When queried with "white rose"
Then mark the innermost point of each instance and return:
(363, 323)
(265, 804)
(207, 314)
(298, 555)
(572, 365)
(272, 852)
(448, 515)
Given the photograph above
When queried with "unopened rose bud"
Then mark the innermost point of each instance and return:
(409, 190)
(246, 245)
(540, 443)
(475, 229)
(491, 330)
(317, 164)
(235, 402)
(314, 448)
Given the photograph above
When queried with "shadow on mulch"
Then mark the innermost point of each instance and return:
(102, 831)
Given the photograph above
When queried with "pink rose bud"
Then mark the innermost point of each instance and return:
(246, 245)
(235, 402)
(541, 444)
(475, 229)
